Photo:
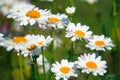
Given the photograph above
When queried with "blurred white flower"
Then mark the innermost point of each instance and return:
(57, 21)
(90, 63)
(57, 42)
(100, 43)
(6, 5)
(70, 10)
(40, 64)
(91, 1)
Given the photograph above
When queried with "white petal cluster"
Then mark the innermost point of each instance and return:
(78, 31)
(90, 63)
(63, 70)
(70, 10)
(100, 42)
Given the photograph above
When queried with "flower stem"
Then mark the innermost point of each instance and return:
(52, 45)
(21, 67)
(43, 61)
(35, 68)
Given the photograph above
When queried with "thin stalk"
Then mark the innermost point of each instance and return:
(52, 44)
(43, 61)
(71, 55)
(115, 15)
(52, 51)
(36, 68)
(21, 67)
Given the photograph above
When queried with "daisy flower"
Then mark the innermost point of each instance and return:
(30, 48)
(70, 10)
(41, 41)
(63, 70)
(78, 31)
(100, 43)
(57, 21)
(90, 63)
(27, 14)
(17, 43)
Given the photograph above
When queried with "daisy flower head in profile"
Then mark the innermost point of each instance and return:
(58, 21)
(16, 43)
(63, 70)
(100, 42)
(90, 63)
(78, 31)
(70, 10)
(42, 41)
(27, 14)
(30, 48)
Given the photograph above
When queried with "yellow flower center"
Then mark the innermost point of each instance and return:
(91, 65)
(99, 43)
(40, 43)
(53, 19)
(79, 33)
(65, 69)
(33, 14)
(31, 47)
(19, 39)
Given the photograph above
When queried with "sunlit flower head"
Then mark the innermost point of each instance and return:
(90, 63)
(63, 70)
(78, 31)
(100, 43)
(57, 21)
(70, 10)
(40, 64)
(16, 43)
(27, 14)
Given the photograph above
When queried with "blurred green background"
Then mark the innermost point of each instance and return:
(99, 16)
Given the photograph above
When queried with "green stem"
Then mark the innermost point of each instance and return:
(21, 67)
(115, 14)
(52, 45)
(52, 51)
(43, 60)
(35, 68)
(114, 8)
